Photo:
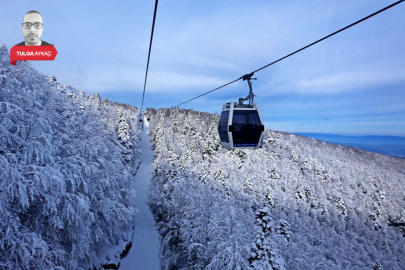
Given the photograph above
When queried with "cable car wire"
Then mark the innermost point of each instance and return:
(334, 33)
(150, 48)
(209, 92)
(303, 48)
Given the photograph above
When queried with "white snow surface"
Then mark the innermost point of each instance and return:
(144, 254)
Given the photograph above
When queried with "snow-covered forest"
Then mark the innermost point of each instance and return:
(295, 203)
(68, 160)
(66, 165)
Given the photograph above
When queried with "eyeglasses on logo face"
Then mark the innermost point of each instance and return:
(27, 25)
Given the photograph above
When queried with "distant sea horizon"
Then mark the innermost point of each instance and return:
(393, 146)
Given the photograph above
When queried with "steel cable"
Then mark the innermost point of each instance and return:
(150, 48)
(303, 48)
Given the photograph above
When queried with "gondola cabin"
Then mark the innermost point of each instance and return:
(240, 126)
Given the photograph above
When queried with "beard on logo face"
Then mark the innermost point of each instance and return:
(32, 38)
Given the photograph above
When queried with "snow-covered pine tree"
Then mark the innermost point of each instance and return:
(324, 200)
(65, 188)
(124, 136)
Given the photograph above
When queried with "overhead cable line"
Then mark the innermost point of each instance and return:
(303, 48)
(150, 48)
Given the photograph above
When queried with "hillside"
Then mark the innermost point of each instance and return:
(66, 166)
(296, 203)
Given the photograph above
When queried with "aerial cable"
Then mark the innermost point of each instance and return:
(334, 33)
(150, 48)
(303, 48)
(209, 91)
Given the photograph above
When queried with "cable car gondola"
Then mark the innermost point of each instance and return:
(240, 125)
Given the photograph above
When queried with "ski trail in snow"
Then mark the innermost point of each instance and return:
(144, 254)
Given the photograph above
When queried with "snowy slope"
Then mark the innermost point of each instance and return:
(141, 248)
(67, 189)
(65, 171)
(296, 203)
(145, 250)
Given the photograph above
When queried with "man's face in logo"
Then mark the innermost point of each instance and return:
(32, 35)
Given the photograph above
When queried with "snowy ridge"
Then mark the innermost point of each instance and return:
(296, 203)
(66, 165)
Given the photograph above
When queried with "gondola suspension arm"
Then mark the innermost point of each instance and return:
(250, 97)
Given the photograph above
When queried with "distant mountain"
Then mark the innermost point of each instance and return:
(388, 145)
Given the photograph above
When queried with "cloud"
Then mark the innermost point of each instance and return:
(342, 128)
(162, 82)
(132, 79)
(346, 81)
(200, 45)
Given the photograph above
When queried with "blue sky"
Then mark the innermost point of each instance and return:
(352, 83)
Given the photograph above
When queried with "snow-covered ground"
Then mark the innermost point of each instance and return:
(145, 250)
